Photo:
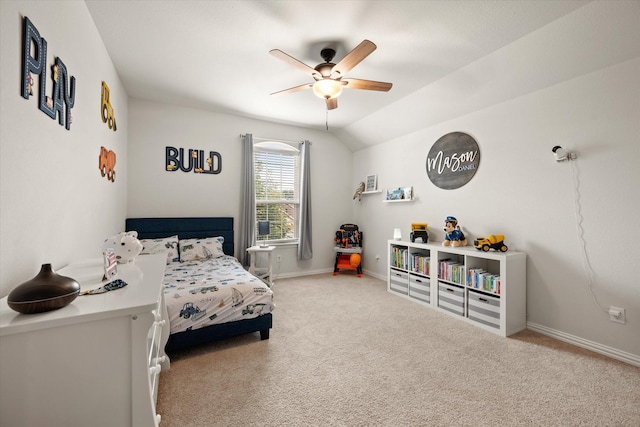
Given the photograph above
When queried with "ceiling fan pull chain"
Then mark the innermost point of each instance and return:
(326, 121)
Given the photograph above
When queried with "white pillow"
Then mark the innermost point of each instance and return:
(154, 246)
(201, 249)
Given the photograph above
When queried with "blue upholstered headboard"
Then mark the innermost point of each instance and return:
(185, 228)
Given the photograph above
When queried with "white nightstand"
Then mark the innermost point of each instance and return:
(264, 273)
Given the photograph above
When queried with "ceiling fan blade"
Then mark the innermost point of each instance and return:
(332, 103)
(354, 57)
(293, 89)
(367, 85)
(293, 61)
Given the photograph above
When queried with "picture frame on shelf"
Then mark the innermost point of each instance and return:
(393, 194)
(110, 264)
(400, 193)
(407, 193)
(371, 183)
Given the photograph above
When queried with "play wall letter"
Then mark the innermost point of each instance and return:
(64, 91)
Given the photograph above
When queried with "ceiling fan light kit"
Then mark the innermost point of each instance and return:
(327, 88)
(328, 76)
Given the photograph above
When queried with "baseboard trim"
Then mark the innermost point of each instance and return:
(374, 274)
(614, 353)
(323, 271)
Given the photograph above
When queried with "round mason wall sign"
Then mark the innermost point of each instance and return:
(453, 160)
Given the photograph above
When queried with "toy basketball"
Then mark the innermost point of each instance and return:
(354, 260)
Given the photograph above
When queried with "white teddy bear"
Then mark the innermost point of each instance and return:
(125, 245)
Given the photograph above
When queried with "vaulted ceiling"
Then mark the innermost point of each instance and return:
(214, 55)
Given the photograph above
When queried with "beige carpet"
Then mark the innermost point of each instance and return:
(345, 352)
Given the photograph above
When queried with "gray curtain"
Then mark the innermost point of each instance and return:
(305, 250)
(247, 224)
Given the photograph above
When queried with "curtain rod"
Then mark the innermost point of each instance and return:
(242, 135)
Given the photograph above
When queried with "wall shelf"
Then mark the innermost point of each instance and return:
(372, 192)
(398, 201)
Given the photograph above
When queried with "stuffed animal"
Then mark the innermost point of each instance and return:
(359, 191)
(125, 245)
(453, 235)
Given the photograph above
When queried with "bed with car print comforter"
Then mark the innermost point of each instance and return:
(208, 293)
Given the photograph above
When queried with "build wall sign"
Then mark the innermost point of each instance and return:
(192, 160)
(34, 62)
(453, 160)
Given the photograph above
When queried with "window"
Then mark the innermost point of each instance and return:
(277, 184)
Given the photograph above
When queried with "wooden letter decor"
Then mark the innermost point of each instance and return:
(63, 91)
(107, 163)
(106, 109)
(453, 160)
(195, 161)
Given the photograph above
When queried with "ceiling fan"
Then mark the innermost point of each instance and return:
(328, 76)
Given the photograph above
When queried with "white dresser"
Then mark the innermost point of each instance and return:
(95, 362)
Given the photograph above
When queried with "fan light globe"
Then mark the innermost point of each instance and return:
(327, 88)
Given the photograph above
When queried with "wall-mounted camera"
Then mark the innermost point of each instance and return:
(562, 155)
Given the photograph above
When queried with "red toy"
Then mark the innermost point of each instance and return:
(348, 249)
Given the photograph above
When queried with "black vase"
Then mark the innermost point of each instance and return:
(45, 292)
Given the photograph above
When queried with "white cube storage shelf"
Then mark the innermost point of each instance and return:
(486, 289)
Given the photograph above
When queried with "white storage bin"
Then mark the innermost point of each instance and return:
(451, 298)
(398, 281)
(419, 288)
(484, 309)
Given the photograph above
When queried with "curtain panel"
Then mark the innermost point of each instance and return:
(305, 246)
(247, 224)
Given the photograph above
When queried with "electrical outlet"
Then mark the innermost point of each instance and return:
(278, 258)
(617, 314)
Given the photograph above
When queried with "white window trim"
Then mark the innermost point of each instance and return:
(266, 145)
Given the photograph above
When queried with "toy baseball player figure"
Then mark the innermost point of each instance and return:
(453, 235)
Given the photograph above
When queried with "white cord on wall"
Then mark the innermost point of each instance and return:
(586, 264)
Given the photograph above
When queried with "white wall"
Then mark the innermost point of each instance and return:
(153, 191)
(520, 190)
(54, 205)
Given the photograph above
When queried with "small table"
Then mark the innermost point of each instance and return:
(263, 273)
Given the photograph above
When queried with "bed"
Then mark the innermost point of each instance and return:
(207, 299)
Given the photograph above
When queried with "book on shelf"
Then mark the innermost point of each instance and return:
(399, 257)
(420, 264)
(478, 278)
(452, 271)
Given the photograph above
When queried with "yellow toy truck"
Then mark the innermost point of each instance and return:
(493, 241)
(419, 231)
